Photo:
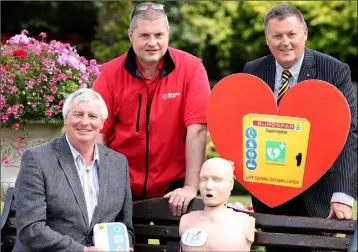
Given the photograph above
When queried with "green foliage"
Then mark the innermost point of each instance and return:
(227, 34)
(111, 37)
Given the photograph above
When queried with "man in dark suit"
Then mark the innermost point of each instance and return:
(290, 62)
(69, 184)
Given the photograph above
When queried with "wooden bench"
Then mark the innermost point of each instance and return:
(8, 222)
(157, 210)
(147, 213)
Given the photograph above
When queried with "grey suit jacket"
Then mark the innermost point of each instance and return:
(342, 176)
(51, 212)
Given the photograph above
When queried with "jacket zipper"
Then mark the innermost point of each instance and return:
(138, 113)
(147, 112)
(148, 107)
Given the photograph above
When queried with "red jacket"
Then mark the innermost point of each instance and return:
(152, 137)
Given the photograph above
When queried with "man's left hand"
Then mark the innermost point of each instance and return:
(180, 198)
(341, 211)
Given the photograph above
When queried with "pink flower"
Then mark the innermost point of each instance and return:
(53, 90)
(13, 90)
(16, 126)
(43, 72)
(4, 161)
(93, 62)
(2, 101)
(19, 149)
(4, 118)
(63, 59)
(48, 112)
(43, 35)
(5, 68)
(20, 138)
(30, 83)
(50, 98)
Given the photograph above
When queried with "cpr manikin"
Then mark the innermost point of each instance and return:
(216, 228)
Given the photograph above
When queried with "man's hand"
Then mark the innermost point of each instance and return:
(92, 249)
(341, 211)
(180, 198)
(131, 249)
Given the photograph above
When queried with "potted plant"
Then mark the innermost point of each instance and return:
(36, 77)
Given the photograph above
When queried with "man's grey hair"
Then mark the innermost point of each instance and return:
(148, 14)
(281, 12)
(84, 95)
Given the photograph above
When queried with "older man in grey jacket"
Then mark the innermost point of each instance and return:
(69, 184)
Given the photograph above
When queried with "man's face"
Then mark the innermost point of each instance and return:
(286, 39)
(216, 183)
(150, 39)
(83, 122)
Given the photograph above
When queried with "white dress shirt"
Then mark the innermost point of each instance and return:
(89, 178)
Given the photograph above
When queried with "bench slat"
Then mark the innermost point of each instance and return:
(155, 248)
(9, 240)
(301, 241)
(13, 205)
(158, 209)
(308, 224)
(11, 222)
(261, 238)
(9, 199)
(156, 232)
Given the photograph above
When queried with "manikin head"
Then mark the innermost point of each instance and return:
(216, 181)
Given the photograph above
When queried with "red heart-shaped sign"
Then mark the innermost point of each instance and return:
(322, 104)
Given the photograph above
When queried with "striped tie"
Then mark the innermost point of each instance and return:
(284, 85)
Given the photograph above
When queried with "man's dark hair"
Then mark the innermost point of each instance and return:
(281, 12)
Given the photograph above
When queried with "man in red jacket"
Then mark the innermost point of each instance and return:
(156, 97)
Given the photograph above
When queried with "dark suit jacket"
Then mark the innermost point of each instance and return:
(51, 212)
(341, 177)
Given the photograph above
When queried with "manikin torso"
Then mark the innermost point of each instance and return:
(216, 228)
(224, 230)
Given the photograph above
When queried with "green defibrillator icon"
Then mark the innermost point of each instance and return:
(275, 151)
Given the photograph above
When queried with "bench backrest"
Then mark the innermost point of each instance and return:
(8, 222)
(153, 220)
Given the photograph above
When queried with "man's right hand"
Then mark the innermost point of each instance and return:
(92, 249)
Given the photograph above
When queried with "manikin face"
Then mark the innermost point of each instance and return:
(83, 122)
(150, 39)
(216, 182)
(286, 39)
